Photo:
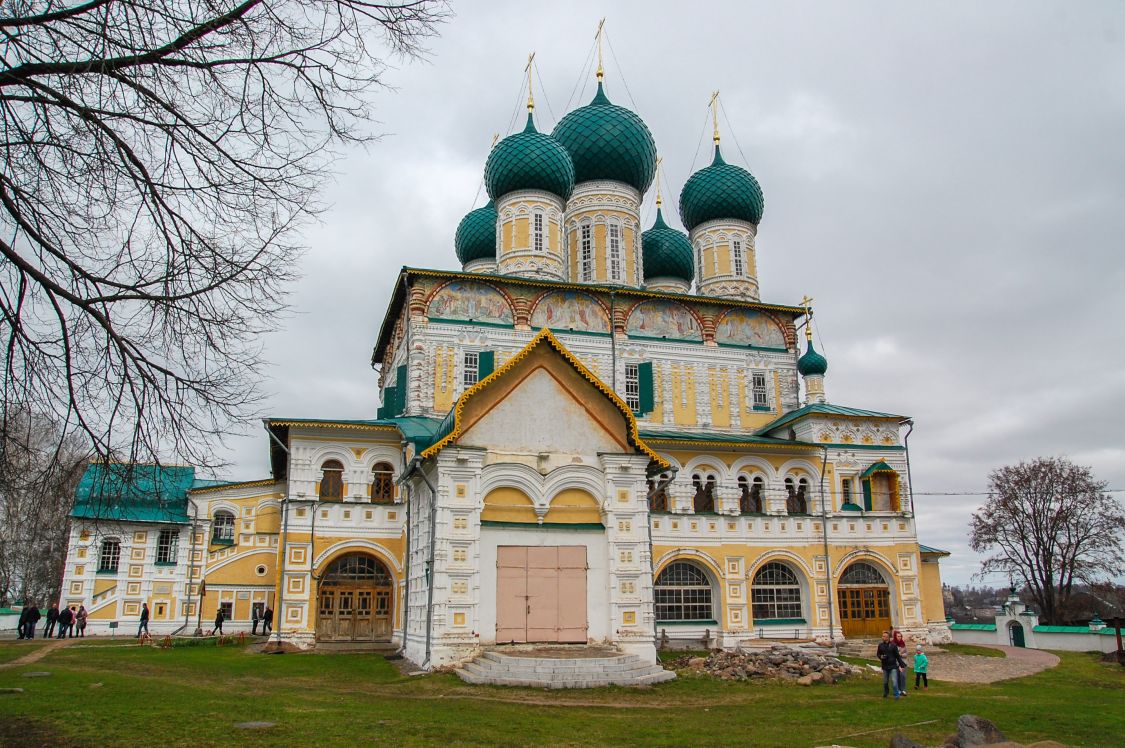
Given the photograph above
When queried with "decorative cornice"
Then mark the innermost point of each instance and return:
(229, 486)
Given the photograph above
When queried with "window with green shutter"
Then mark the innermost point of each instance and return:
(645, 390)
(486, 364)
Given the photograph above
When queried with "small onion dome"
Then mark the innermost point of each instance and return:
(529, 160)
(812, 362)
(718, 191)
(667, 252)
(476, 235)
(607, 141)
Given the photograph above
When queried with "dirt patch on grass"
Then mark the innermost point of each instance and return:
(17, 732)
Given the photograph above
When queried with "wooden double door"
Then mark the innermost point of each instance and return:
(541, 594)
(355, 601)
(865, 612)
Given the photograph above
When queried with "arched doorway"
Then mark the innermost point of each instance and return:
(355, 600)
(1015, 634)
(865, 601)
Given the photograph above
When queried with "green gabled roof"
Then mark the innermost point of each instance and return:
(606, 141)
(134, 493)
(667, 253)
(878, 467)
(824, 409)
(476, 235)
(717, 438)
(419, 430)
(529, 160)
(721, 191)
(935, 551)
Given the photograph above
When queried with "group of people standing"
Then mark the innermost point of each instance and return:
(891, 654)
(70, 621)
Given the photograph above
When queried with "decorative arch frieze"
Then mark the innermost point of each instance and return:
(343, 547)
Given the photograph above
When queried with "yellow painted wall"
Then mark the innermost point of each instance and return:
(929, 579)
(508, 505)
(574, 506)
(683, 403)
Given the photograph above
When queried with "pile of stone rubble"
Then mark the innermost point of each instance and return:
(779, 662)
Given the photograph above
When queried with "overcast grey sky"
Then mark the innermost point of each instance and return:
(947, 181)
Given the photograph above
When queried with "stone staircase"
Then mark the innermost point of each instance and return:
(864, 648)
(560, 671)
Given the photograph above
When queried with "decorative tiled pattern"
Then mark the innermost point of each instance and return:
(476, 235)
(607, 141)
(529, 160)
(721, 190)
(667, 252)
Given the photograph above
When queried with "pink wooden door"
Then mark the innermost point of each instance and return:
(572, 594)
(511, 594)
(543, 594)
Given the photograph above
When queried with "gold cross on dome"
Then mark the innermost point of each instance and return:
(530, 97)
(806, 302)
(714, 104)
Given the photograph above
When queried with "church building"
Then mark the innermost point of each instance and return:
(594, 431)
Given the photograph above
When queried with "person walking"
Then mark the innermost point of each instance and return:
(22, 625)
(66, 618)
(900, 642)
(144, 621)
(889, 659)
(52, 621)
(267, 620)
(921, 665)
(80, 621)
(218, 623)
(254, 619)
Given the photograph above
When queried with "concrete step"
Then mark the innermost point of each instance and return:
(562, 672)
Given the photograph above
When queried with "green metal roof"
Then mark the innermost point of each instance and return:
(606, 141)
(717, 438)
(476, 235)
(529, 160)
(928, 549)
(419, 430)
(667, 252)
(812, 362)
(1061, 629)
(878, 467)
(973, 626)
(823, 409)
(134, 493)
(718, 191)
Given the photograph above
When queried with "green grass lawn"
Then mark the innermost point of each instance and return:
(973, 649)
(138, 696)
(15, 649)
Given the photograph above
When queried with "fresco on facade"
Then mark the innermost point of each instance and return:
(570, 310)
(662, 319)
(469, 300)
(745, 327)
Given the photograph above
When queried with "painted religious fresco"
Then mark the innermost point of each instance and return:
(570, 310)
(745, 327)
(663, 319)
(470, 301)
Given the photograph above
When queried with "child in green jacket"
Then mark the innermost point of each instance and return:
(921, 663)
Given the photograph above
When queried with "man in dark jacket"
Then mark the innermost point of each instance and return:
(267, 620)
(32, 619)
(66, 618)
(889, 657)
(52, 619)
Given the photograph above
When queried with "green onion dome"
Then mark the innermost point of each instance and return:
(719, 191)
(667, 252)
(529, 160)
(607, 141)
(476, 235)
(812, 362)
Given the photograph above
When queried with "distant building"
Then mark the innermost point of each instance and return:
(589, 433)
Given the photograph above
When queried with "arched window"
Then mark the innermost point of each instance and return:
(796, 500)
(332, 481)
(615, 256)
(586, 252)
(704, 500)
(657, 497)
(862, 573)
(683, 593)
(736, 257)
(538, 232)
(222, 528)
(775, 593)
(110, 555)
(382, 483)
(750, 499)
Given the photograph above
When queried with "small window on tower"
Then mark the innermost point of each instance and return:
(761, 397)
(614, 252)
(539, 244)
(633, 387)
(736, 257)
(471, 369)
(586, 253)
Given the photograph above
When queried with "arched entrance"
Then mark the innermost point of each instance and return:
(865, 601)
(1015, 634)
(355, 600)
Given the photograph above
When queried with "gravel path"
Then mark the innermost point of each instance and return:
(38, 654)
(1018, 662)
